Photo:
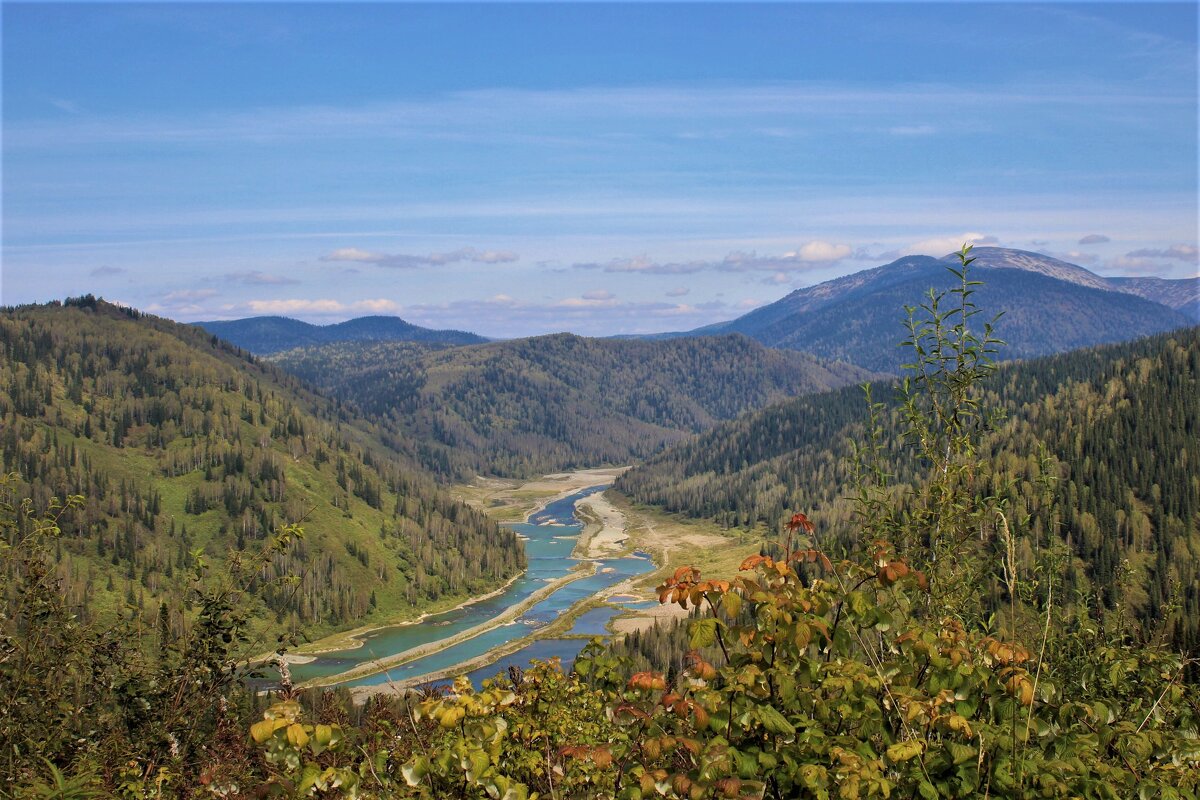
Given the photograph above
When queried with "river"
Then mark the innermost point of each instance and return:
(550, 535)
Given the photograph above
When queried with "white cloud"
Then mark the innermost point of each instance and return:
(322, 307)
(643, 264)
(257, 278)
(1077, 257)
(949, 244)
(1125, 265)
(353, 254)
(187, 296)
(505, 316)
(409, 261)
(823, 251)
(1182, 252)
(587, 302)
(810, 255)
(912, 130)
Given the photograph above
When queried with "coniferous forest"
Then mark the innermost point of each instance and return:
(934, 610)
(185, 449)
(1092, 441)
(549, 403)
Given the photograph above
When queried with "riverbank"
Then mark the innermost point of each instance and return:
(510, 614)
(515, 501)
(355, 638)
(612, 530)
(604, 529)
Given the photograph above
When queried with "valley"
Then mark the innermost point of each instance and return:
(599, 401)
(560, 523)
(590, 558)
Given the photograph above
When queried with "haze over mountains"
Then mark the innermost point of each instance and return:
(264, 335)
(547, 403)
(1048, 306)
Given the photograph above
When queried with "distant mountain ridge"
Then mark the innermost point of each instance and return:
(266, 335)
(548, 403)
(1049, 306)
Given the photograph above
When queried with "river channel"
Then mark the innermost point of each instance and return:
(550, 536)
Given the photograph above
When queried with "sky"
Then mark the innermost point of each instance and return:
(599, 168)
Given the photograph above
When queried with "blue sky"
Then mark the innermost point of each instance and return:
(520, 169)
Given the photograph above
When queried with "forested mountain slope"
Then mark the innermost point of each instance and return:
(1120, 424)
(185, 448)
(561, 401)
(1048, 306)
(264, 335)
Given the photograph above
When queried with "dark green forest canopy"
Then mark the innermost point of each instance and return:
(1121, 424)
(556, 402)
(184, 446)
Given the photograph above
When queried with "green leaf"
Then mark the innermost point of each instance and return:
(702, 633)
(903, 751)
(773, 721)
(415, 771)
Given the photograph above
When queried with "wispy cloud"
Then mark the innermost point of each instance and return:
(187, 296)
(809, 256)
(257, 278)
(1133, 265)
(942, 245)
(323, 307)
(912, 130)
(1094, 238)
(1076, 257)
(502, 114)
(1182, 252)
(409, 261)
(107, 272)
(66, 106)
(505, 315)
(678, 291)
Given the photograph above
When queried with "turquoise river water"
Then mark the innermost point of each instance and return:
(550, 536)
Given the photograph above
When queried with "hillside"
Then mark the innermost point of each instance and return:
(265, 335)
(1048, 306)
(183, 448)
(1121, 425)
(558, 402)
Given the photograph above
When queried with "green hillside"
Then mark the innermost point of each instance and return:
(184, 447)
(558, 402)
(1120, 426)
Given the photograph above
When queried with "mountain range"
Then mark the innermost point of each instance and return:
(547, 403)
(1048, 306)
(265, 335)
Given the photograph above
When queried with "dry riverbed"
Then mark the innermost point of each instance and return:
(612, 528)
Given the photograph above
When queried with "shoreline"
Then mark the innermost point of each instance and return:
(354, 636)
(376, 666)
(607, 532)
